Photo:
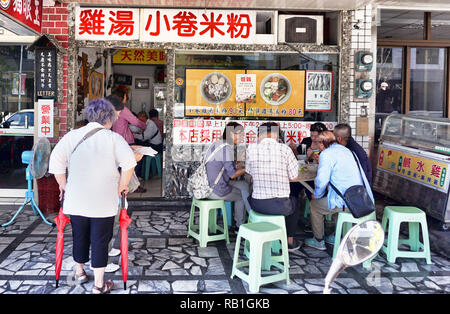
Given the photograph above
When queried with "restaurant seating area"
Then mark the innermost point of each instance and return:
(163, 260)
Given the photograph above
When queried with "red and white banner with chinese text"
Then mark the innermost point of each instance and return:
(28, 12)
(203, 132)
(171, 25)
(45, 118)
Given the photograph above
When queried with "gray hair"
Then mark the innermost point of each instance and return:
(101, 111)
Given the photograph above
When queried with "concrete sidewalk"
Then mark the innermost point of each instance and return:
(163, 260)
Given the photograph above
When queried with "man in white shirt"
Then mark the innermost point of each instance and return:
(272, 166)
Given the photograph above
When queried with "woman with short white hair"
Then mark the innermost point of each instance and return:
(91, 190)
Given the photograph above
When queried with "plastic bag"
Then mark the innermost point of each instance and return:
(134, 183)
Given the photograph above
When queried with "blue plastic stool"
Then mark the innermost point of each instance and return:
(148, 163)
(229, 208)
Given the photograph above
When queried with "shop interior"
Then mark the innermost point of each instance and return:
(142, 72)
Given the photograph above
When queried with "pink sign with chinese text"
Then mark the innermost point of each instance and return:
(45, 118)
(203, 132)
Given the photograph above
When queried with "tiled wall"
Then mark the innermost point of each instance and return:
(361, 39)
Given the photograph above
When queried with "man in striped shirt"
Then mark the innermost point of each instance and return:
(272, 166)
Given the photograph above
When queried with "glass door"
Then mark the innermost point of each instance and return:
(16, 116)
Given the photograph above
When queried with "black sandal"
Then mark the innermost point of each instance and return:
(107, 287)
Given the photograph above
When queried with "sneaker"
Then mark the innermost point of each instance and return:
(294, 246)
(329, 239)
(114, 252)
(112, 268)
(316, 244)
(233, 230)
(307, 229)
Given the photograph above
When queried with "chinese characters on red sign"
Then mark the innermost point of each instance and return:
(172, 25)
(28, 12)
(200, 132)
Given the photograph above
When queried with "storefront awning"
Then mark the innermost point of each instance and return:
(248, 4)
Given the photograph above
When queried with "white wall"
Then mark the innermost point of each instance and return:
(139, 96)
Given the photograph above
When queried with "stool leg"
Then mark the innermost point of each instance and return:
(413, 236)
(426, 240)
(285, 252)
(236, 255)
(394, 233)
(225, 224)
(204, 217)
(255, 268)
(212, 221)
(267, 256)
(337, 236)
(191, 218)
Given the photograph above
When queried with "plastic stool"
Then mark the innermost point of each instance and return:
(229, 206)
(415, 217)
(147, 164)
(344, 223)
(207, 221)
(260, 234)
(278, 220)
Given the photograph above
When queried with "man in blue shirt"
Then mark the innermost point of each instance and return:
(343, 134)
(338, 166)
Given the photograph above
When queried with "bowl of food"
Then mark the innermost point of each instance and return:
(275, 89)
(215, 88)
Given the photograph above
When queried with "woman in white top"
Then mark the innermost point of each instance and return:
(93, 186)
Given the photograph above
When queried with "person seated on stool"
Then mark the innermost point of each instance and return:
(272, 166)
(338, 166)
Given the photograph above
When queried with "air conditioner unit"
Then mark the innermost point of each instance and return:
(306, 29)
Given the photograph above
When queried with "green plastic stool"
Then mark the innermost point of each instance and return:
(344, 223)
(415, 217)
(148, 162)
(208, 221)
(308, 211)
(260, 234)
(278, 220)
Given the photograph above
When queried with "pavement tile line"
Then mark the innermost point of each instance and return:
(164, 260)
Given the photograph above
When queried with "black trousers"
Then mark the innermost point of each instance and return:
(287, 207)
(93, 233)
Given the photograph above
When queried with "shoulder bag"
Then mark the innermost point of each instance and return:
(356, 197)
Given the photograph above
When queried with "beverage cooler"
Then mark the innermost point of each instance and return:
(413, 164)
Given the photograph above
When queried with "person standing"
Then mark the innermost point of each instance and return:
(338, 166)
(93, 186)
(126, 117)
(272, 166)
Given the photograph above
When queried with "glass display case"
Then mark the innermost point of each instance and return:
(426, 133)
(413, 163)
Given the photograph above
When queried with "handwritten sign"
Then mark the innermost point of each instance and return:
(45, 73)
(45, 118)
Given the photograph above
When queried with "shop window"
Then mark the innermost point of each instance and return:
(440, 25)
(400, 24)
(428, 73)
(16, 80)
(215, 95)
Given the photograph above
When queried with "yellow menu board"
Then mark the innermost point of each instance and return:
(211, 92)
(278, 94)
(417, 168)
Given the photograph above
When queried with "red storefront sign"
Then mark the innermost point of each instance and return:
(28, 12)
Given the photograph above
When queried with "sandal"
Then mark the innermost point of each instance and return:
(107, 287)
(81, 278)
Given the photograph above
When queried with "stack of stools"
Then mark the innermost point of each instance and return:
(395, 215)
(344, 223)
(208, 221)
(260, 235)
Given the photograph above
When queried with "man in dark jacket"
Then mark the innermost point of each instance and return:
(343, 134)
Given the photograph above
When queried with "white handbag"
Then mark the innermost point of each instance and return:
(198, 184)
